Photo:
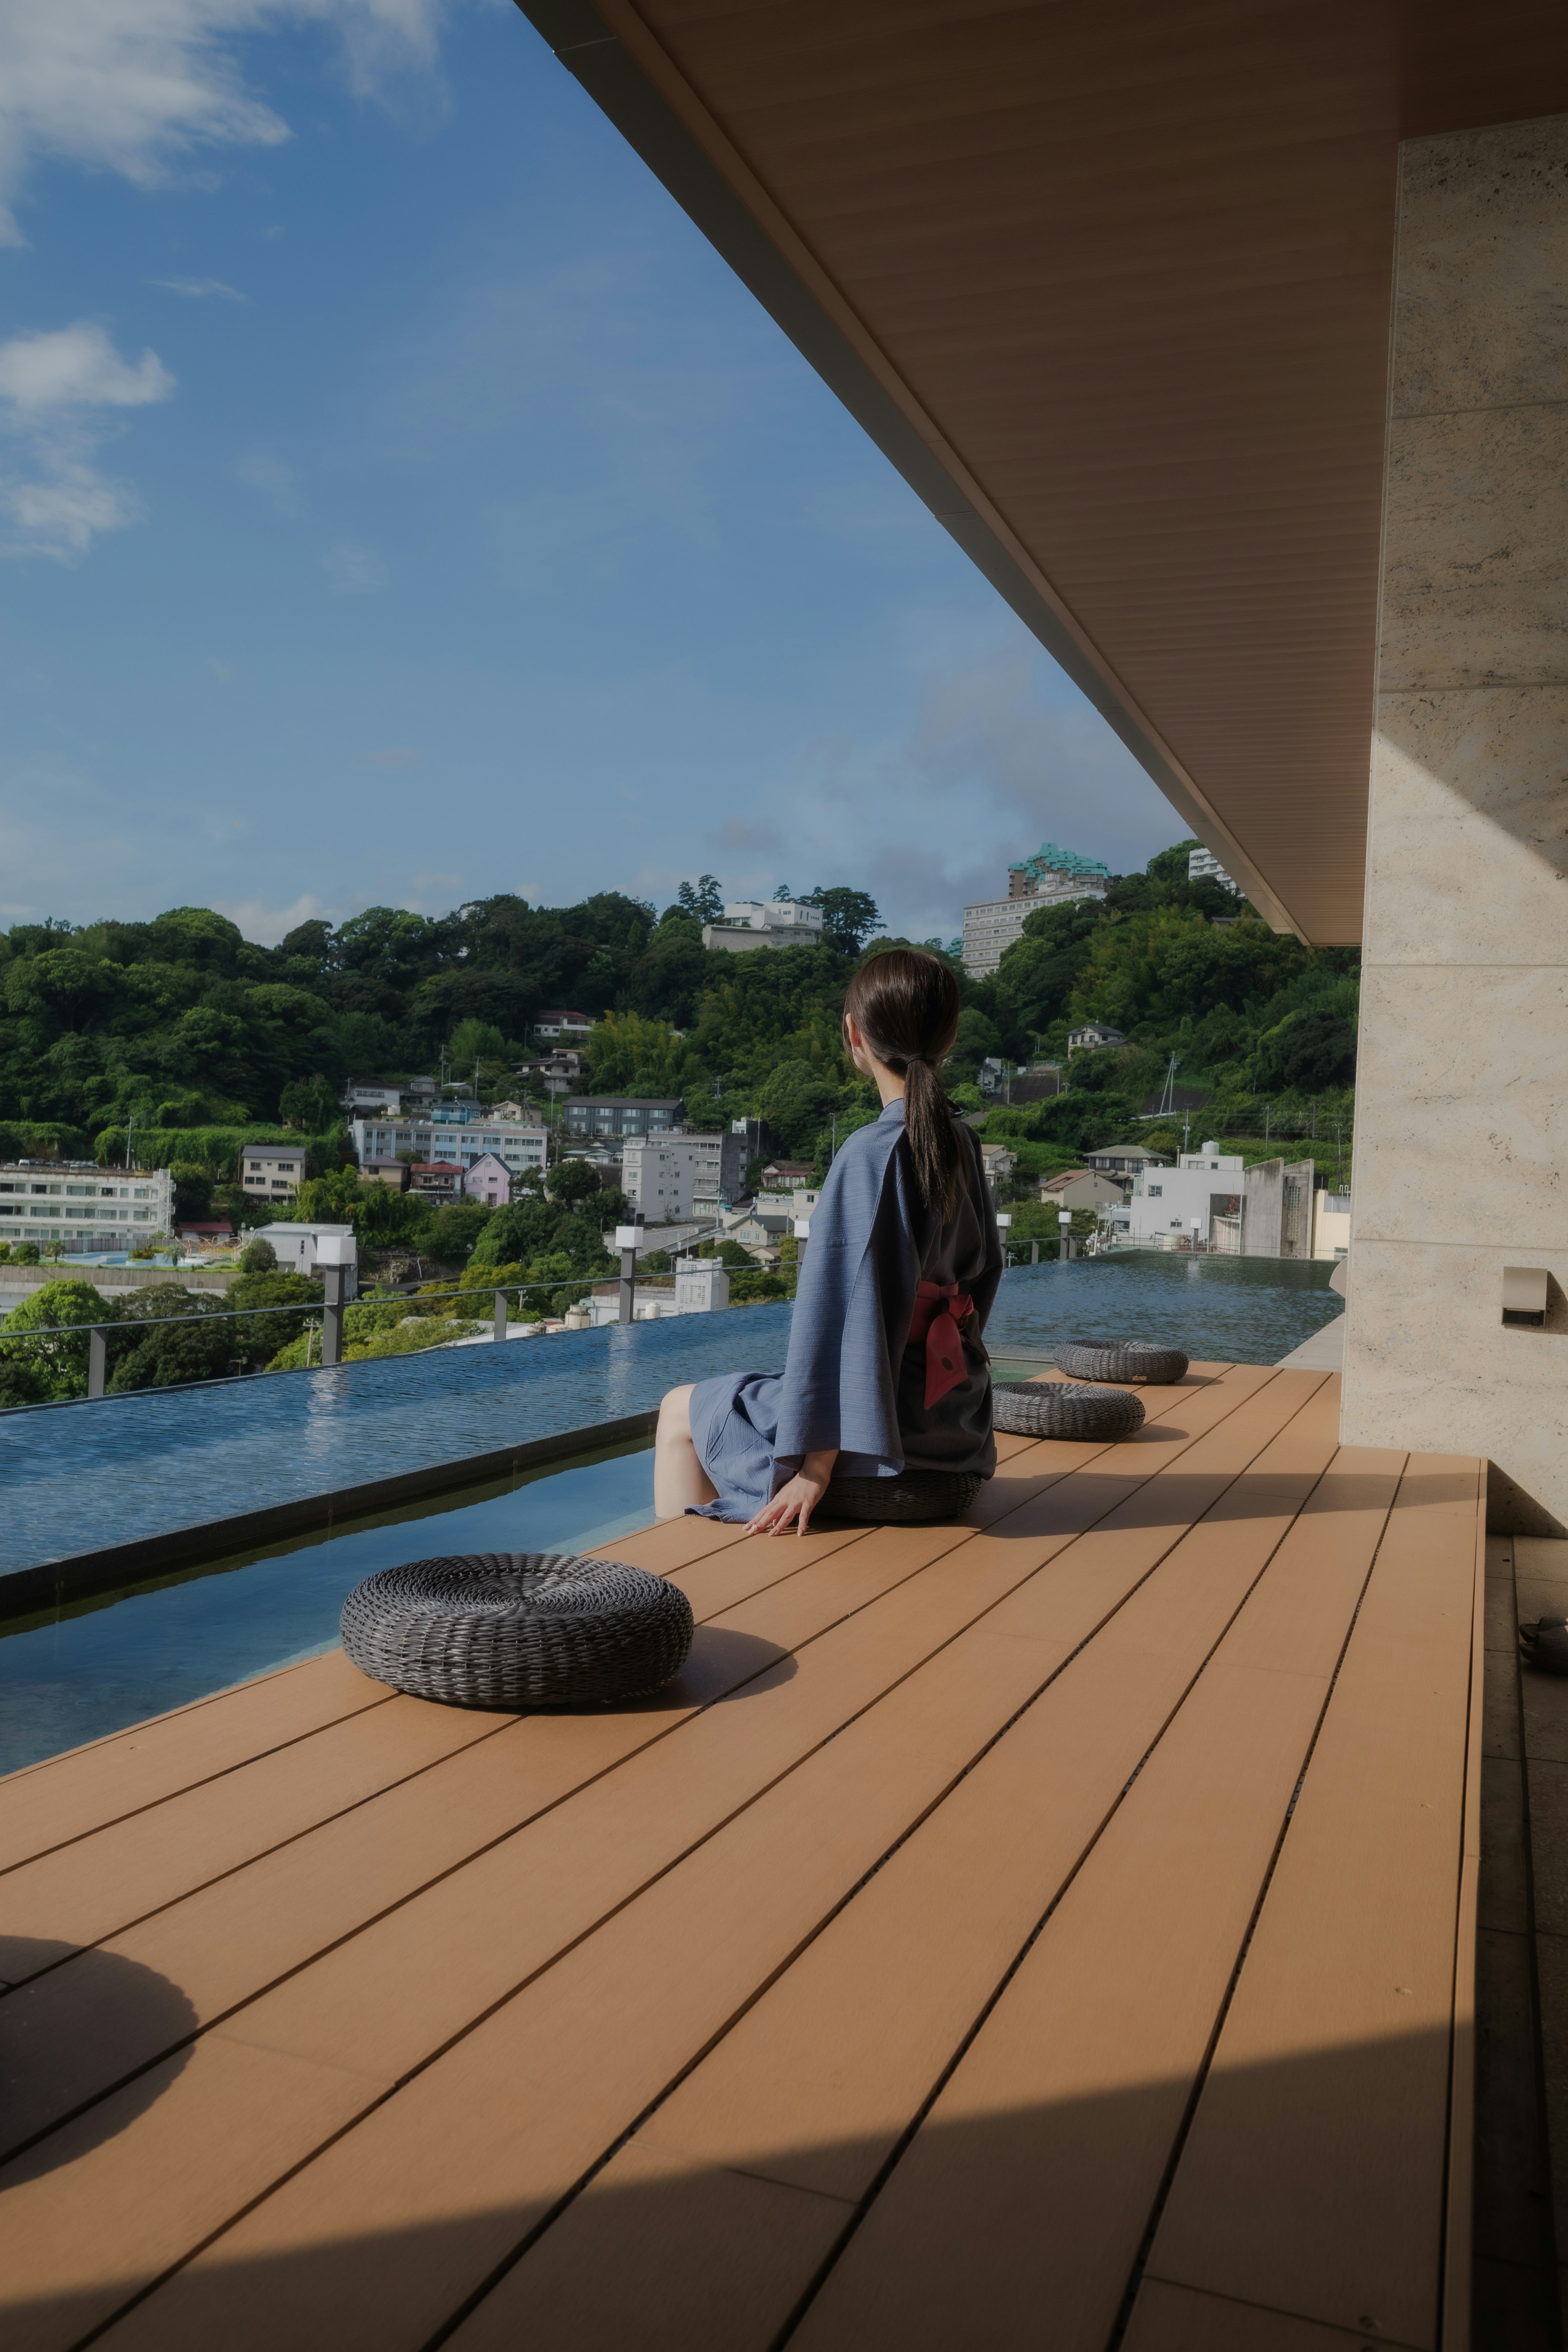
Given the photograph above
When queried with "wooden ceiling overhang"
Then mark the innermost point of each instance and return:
(1111, 285)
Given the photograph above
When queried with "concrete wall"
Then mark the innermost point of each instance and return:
(1462, 1136)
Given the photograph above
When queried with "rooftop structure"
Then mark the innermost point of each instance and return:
(750, 923)
(1053, 873)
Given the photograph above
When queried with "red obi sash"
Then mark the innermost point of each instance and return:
(939, 1311)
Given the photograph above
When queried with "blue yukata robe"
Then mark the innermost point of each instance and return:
(852, 1379)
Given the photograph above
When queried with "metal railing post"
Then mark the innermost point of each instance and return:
(1034, 1253)
(333, 1280)
(627, 1243)
(501, 1314)
(801, 1236)
(97, 1361)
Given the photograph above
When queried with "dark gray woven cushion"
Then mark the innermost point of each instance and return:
(923, 1496)
(518, 1629)
(1121, 1360)
(1545, 1645)
(1064, 1408)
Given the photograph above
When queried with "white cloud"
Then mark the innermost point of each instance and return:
(391, 756)
(136, 86)
(266, 925)
(198, 290)
(76, 367)
(53, 500)
(354, 571)
(273, 478)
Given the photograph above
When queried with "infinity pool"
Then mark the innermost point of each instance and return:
(90, 1669)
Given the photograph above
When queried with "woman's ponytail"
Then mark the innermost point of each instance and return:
(905, 1004)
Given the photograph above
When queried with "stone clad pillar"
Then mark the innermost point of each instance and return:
(1462, 1162)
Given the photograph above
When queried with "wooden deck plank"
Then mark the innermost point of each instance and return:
(796, 2093)
(98, 1885)
(261, 1925)
(47, 1805)
(1029, 2184)
(655, 1965)
(1312, 2181)
(1173, 2319)
(693, 1956)
(101, 1884)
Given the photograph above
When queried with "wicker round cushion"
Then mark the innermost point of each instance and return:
(1064, 1408)
(914, 1494)
(518, 1629)
(1121, 1360)
(1545, 1645)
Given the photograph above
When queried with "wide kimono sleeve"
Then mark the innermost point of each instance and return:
(852, 1312)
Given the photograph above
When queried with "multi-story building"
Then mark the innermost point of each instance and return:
(599, 1116)
(748, 923)
(675, 1177)
(435, 1180)
(571, 1027)
(360, 1101)
(1201, 1196)
(1203, 865)
(1051, 878)
(271, 1172)
(459, 1132)
(81, 1205)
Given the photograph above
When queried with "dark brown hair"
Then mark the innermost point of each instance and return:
(905, 1005)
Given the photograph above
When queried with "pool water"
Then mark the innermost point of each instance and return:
(1236, 1310)
(177, 1458)
(93, 1668)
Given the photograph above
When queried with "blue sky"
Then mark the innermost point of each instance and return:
(399, 501)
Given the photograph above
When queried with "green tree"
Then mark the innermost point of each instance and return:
(702, 899)
(259, 1337)
(574, 1182)
(175, 1350)
(56, 1359)
(848, 917)
(475, 1041)
(454, 1229)
(258, 1257)
(193, 1191)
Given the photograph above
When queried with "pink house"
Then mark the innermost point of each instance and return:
(488, 1181)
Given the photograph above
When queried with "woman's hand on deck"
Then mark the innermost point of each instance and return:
(800, 1497)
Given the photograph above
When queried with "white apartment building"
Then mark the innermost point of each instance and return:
(1203, 865)
(671, 1178)
(1166, 1203)
(516, 1146)
(749, 923)
(83, 1206)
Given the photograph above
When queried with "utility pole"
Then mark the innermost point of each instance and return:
(130, 1123)
(1187, 1132)
(1268, 1115)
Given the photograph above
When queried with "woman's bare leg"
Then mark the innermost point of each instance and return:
(678, 1478)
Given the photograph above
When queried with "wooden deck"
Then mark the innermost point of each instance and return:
(1054, 1929)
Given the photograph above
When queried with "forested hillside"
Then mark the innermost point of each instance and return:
(188, 1030)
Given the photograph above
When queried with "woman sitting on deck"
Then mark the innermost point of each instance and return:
(886, 1368)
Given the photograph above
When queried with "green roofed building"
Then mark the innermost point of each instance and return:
(1051, 878)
